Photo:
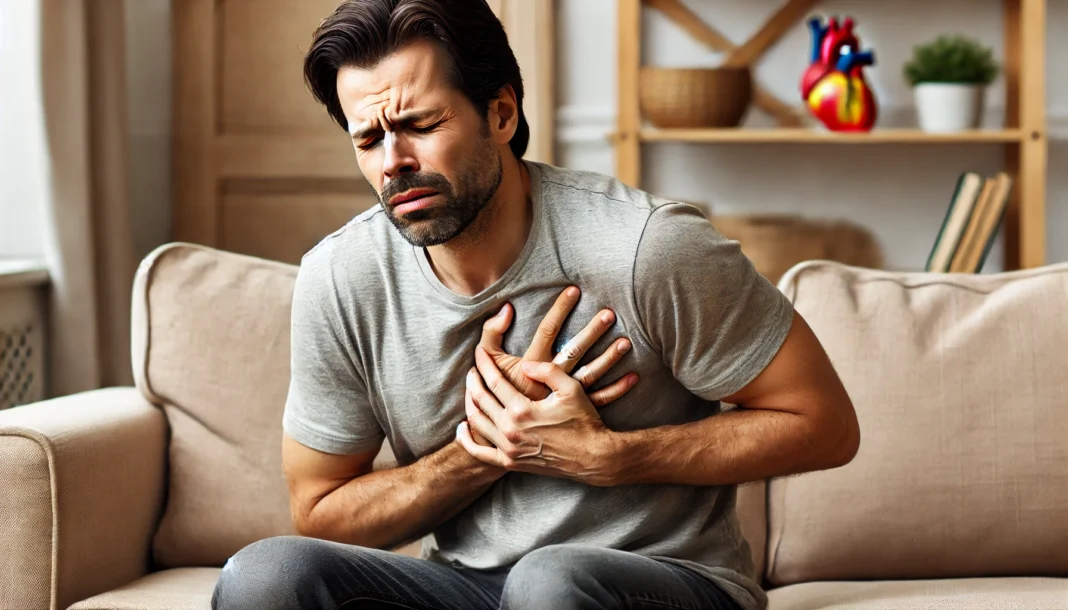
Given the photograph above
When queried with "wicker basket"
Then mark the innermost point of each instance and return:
(775, 243)
(695, 97)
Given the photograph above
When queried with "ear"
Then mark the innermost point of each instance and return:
(503, 115)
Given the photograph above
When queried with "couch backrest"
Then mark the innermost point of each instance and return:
(961, 387)
(211, 345)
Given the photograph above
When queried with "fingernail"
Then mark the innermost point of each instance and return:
(500, 314)
(624, 346)
(572, 292)
(607, 317)
(528, 366)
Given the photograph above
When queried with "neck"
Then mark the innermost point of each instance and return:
(483, 253)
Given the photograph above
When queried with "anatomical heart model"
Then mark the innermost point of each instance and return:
(833, 86)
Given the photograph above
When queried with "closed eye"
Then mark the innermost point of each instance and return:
(369, 143)
(427, 129)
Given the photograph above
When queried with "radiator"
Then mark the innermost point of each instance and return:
(23, 340)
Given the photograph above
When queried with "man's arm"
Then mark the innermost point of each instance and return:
(794, 417)
(339, 498)
(727, 334)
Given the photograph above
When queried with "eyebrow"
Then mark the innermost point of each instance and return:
(361, 131)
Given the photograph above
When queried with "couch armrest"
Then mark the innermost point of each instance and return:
(81, 488)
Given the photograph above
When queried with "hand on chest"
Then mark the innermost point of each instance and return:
(422, 395)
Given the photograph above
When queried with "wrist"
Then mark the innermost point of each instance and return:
(474, 469)
(619, 457)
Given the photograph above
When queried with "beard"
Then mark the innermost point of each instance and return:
(475, 187)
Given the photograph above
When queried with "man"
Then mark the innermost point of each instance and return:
(404, 326)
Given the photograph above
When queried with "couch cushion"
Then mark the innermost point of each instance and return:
(961, 387)
(750, 505)
(211, 344)
(179, 589)
(958, 594)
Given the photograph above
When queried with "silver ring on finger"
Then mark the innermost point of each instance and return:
(568, 356)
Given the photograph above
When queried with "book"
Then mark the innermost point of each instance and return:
(958, 215)
(989, 218)
(959, 264)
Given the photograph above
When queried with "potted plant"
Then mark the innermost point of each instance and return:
(949, 76)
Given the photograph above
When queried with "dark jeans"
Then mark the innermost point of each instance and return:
(295, 573)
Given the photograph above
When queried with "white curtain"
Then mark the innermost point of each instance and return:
(85, 211)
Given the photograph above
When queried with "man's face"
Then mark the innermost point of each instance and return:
(420, 143)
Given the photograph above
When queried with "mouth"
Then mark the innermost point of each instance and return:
(409, 201)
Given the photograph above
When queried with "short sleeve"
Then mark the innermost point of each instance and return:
(328, 407)
(716, 321)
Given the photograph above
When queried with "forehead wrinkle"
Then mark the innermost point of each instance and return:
(395, 96)
(369, 104)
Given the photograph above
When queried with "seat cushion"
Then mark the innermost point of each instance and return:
(960, 382)
(958, 594)
(178, 589)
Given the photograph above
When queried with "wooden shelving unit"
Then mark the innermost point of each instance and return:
(1024, 135)
(787, 135)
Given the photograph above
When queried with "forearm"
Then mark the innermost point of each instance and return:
(387, 508)
(732, 447)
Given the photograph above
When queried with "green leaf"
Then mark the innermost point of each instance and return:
(952, 58)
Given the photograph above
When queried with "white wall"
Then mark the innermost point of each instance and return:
(22, 157)
(898, 191)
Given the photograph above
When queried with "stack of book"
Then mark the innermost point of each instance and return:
(971, 223)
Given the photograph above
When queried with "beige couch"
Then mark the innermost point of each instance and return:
(130, 498)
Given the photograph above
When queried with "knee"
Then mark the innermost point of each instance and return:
(265, 574)
(556, 576)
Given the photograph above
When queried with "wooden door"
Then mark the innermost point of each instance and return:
(259, 168)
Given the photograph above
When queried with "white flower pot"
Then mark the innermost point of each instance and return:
(949, 107)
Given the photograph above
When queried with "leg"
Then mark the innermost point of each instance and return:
(576, 577)
(297, 573)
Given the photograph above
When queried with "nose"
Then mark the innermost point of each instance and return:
(399, 158)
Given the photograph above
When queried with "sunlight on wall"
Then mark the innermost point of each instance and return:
(22, 180)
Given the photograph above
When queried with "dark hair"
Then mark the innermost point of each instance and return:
(361, 33)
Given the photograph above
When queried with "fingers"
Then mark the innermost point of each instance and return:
(498, 386)
(540, 349)
(494, 328)
(488, 455)
(615, 391)
(483, 431)
(484, 399)
(577, 347)
(562, 384)
(589, 374)
(481, 440)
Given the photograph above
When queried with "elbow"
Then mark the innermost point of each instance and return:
(307, 521)
(302, 523)
(303, 527)
(845, 441)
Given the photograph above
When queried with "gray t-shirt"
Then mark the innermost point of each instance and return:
(380, 348)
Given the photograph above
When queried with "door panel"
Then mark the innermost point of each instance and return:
(250, 220)
(262, 45)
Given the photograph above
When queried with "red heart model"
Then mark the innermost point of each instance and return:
(833, 85)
